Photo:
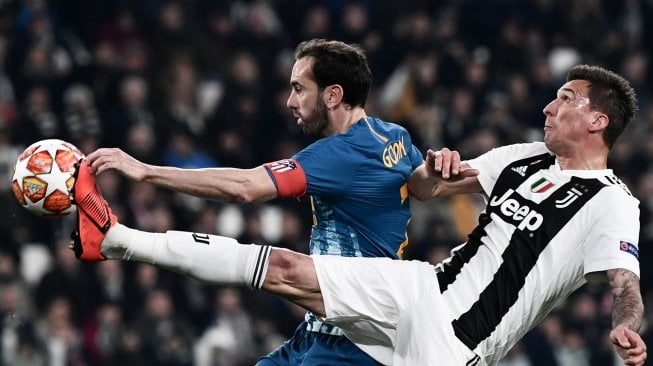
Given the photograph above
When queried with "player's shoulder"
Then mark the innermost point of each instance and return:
(358, 135)
(616, 186)
(383, 126)
(383, 131)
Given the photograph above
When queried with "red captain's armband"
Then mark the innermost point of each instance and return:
(288, 176)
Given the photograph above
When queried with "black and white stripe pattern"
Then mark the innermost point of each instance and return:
(474, 361)
(519, 256)
(261, 268)
(518, 259)
(463, 254)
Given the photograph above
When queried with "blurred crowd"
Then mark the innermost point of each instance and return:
(201, 83)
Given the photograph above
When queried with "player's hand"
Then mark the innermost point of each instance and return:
(112, 158)
(629, 345)
(446, 165)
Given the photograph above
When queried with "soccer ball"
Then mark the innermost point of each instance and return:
(43, 177)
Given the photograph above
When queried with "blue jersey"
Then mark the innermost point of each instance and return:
(357, 181)
(358, 184)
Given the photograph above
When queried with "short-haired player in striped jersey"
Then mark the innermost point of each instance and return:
(356, 174)
(556, 217)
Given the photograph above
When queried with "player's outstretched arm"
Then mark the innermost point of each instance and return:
(222, 184)
(292, 275)
(442, 175)
(627, 313)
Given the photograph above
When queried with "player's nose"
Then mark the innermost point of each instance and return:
(550, 109)
(291, 102)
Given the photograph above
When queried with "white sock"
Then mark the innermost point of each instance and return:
(209, 258)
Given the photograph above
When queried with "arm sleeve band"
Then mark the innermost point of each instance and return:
(289, 178)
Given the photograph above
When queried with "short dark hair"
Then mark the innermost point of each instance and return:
(611, 94)
(339, 63)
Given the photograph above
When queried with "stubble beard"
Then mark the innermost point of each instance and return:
(315, 124)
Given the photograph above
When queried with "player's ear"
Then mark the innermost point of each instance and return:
(333, 95)
(599, 122)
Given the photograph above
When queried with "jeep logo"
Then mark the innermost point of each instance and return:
(525, 217)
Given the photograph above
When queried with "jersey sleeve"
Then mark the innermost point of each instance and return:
(416, 157)
(614, 242)
(492, 163)
(288, 176)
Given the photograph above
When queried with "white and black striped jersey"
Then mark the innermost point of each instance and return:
(544, 233)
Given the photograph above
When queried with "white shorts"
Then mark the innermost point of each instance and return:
(391, 309)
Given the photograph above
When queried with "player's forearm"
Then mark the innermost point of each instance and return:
(628, 308)
(424, 186)
(421, 185)
(222, 184)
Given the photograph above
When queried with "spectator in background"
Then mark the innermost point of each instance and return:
(122, 32)
(183, 152)
(102, 334)
(111, 280)
(46, 61)
(80, 118)
(235, 125)
(104, 75)
(316, 23)
(166, 335)
(145, 280)
(59, 334)
(8, 108)
(8, 154)
(68, 281)
(131, 110)
(18, 344)
(130, 350)
(172, 34)
(229, 340)
(38, 119)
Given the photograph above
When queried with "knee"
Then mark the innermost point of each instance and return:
(286, 267)
(281, 267)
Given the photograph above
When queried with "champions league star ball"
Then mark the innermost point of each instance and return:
(43, 177)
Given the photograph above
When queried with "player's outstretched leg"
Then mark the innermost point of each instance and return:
(210, 258)
(94, 216)
(98, 236)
